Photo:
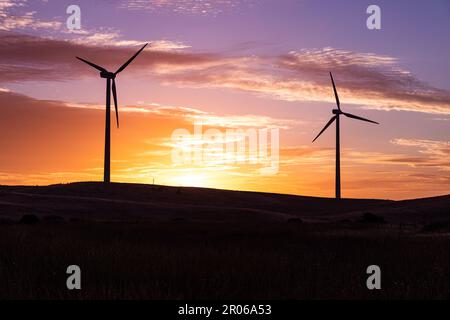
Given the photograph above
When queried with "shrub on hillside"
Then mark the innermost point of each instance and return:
(29, 219)
(369, 217)
(295, 221)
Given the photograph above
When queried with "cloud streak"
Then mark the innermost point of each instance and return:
(365, 79)
(193, 7)
(31, 58)
(431, 153)
(12, 19)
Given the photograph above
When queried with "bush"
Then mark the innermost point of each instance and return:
(29, 219)
(295, 220)
(372, 218)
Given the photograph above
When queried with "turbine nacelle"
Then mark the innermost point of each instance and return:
(107, 75)
(336, 111)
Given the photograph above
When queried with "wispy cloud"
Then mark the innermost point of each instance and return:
(198, 7)
(365, 79)
(421, 154)
(100, 37)
(432, 153)
(194, 115)
(27, 57)
(113, 38)
(14, 16)
(226, 121)
(167, 45)
(431, 147)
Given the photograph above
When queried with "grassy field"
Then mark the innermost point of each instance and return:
(185, 260)
(154, 242)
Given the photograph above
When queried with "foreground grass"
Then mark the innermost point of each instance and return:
(185, 260)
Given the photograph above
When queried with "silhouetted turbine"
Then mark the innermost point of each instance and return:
(110, 76)
(337, 112)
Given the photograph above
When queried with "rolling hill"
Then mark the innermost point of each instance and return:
(137, 202)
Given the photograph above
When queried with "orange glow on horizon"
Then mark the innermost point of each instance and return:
(141, 153)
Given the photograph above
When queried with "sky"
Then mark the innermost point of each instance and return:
(249, 65)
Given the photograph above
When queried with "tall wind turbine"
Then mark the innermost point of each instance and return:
(337, 112)
(110, 76)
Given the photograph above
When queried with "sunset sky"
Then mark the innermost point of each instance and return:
(229, 64)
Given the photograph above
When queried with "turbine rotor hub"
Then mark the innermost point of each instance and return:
(336, 111)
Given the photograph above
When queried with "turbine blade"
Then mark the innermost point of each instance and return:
(338, 103)
(129, 60)
(325, 128)
(358, 118)
(114, 91)
(93, 65)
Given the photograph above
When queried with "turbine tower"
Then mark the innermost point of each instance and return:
(337, 112)
(110, 76)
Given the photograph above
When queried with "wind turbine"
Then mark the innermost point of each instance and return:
(110, 76)
(337, 112)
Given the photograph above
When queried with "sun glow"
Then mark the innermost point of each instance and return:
(192, 180)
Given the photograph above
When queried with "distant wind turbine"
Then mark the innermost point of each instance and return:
(110, 76)
(337, 112)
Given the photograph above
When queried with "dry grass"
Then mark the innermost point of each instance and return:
(186, 260)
